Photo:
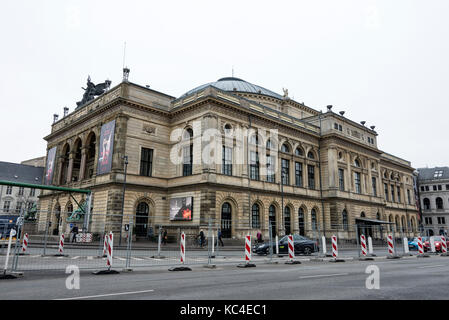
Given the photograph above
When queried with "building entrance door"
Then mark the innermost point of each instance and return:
(226, 220)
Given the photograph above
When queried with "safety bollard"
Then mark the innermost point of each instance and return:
(24, 244)
(406, 249)
(370, 247)
(182, 255)
(443, 247)
(335, 250)
(363, 248)
(109, 256)
(105, 245)
(421, 249)
(277, 245)
(291, 251)
(247, 263)
(432, 245)
(391, 252)
(61, 247)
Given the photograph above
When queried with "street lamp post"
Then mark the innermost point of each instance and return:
(123, 201)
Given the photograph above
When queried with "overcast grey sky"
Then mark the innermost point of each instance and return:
(385, 62)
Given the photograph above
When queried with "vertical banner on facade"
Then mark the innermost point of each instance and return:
(106, 147)
(50, 166)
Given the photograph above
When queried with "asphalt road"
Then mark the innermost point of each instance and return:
(406, 278)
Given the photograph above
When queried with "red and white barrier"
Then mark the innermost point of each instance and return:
(25, 243)
(420, 246)
(443, 245)
(183, 248)
(291, 248)
(334, 247)
(248, 248)
(61, 244)
(363, 244)
(105, 245)
(390, 245)
(110, 250)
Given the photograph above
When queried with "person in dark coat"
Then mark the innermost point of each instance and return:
(219, 237)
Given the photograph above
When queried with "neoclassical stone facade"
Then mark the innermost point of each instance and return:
(333, 172)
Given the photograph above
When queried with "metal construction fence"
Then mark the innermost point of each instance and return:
(147, 241)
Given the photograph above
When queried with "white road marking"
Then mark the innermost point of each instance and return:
(106, 295)
(324, 275)
(90, 258)
(75, 258)
(138, 259)
(121, 259)
(431, 266)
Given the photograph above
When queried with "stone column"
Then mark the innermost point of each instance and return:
(332, 168)
(60, 168)
(370, 178)
(70, 169)
(349, 175)
(83, 163)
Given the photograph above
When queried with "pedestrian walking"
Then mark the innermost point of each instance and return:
(219, 237)
(74, 233)
(202, 238)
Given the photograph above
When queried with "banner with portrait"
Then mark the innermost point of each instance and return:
(181, 208)
(50, 166)
(106, 148)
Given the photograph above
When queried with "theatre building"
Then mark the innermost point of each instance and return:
(280, 161)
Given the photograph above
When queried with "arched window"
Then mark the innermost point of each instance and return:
(357, 163)
(227, 129)
(439, 203)
(299, 152)
(310, 155)
(69, 209)
(398, 226)
(272, 219)
(187, 153)
(285, 148)
(426, 203)
(287, 220)
(403, 224)
(90, 157)
(412, 224)
(226, 220)
(65, 164)
(270, 145)
(378, 216)
(255, 214)
(301, 222)
(77, 161)
(344, 217)
(362, 215)
(313, 219)
(142, 212)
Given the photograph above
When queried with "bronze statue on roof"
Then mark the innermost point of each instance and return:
(93, 90)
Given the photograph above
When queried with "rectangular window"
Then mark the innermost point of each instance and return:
(18, 207)
(386, 191)
(340, 128)
(32, 192)
(270, 168)
(392, 193)
(9, 190)
(227, 161)
(285, 167)
(336, 126)
(434, 188)
(311, 176)
(6, 206)
(254, 165)
(447, 187)
(357, 183)
(443, 220)
(439, 187)
(422, 188)
(427, 188)
(30, 205)
(146, 162)
(373, 182)
(341, 179)
(298, 174)
(399, 194)
(409, 199)
(21, 191)
(187, 160)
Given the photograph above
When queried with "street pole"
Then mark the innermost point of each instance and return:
(123, 202)
(282, 196)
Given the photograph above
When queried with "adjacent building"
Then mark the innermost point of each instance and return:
(433, 184)
(278, 162)
(14, 199)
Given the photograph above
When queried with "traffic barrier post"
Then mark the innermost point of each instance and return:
(370, 247)
(24, 244)
(391, 251)
(335, 250)
(443, 247)
(291, 251)
(247, 263)
(364, 249)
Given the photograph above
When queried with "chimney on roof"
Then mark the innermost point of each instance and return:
(66, 111)
(55, 117)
